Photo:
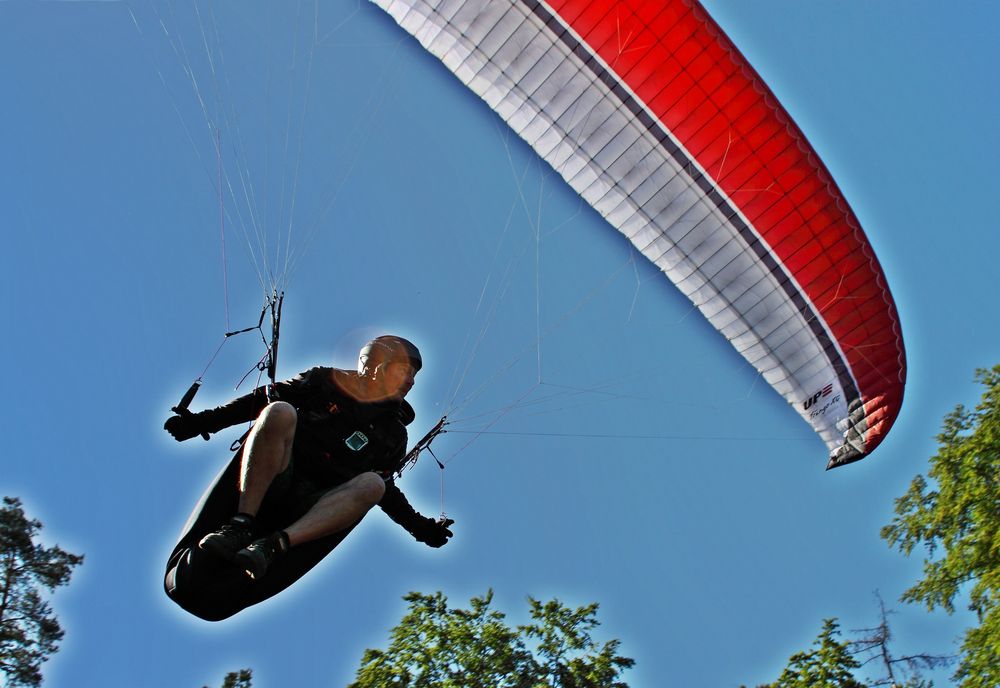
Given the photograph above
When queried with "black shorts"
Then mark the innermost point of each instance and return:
(290, 496)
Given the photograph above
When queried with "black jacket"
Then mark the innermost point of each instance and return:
(337, 437)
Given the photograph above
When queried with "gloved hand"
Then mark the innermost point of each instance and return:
(433, 533)
(184, 427)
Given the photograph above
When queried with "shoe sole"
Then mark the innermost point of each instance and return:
(218, 547)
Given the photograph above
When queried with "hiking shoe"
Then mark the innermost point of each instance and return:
(229, 539)
(260, 554)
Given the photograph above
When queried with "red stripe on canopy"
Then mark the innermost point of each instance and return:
(674, 57)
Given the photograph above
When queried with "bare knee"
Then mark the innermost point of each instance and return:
(278, 417)
(369, 487)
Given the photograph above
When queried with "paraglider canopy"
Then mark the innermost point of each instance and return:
(653, 116)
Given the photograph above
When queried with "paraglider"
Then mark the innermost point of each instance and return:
(655, 119)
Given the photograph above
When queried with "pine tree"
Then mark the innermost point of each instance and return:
(829, 665)
(29, 630)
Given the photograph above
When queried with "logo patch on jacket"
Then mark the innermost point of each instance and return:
(357, 441)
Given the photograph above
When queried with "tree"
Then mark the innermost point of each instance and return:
(829, 665)
(29, 631)
(833, 662)
(238, 679)
(437, 647)
(872, 646)
(955, 515)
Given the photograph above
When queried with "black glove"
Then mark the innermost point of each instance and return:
(433, 533)
(184, 427)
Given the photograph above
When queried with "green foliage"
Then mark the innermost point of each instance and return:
(437, 647)
(955, 515)
(29, 631)
(238, 679)
(832, 662)
(828, 665)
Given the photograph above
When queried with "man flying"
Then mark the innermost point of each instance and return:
(316, 460)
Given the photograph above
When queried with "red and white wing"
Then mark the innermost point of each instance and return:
(651, 114)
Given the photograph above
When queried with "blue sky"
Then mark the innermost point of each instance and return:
(702, 521)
